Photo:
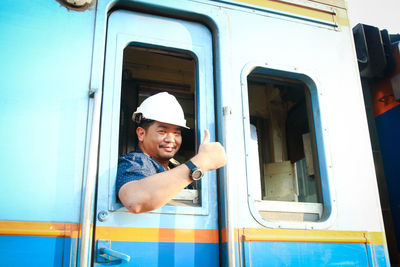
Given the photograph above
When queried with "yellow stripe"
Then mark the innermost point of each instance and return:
(338, 16)
(376, 238)
(284, 235)
(39, 229)
(190, 235)
(157, 234)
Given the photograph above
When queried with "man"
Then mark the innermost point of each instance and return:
(145, 179)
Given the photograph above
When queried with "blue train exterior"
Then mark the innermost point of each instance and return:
(71, 71)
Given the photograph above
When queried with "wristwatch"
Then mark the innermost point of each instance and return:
(195, 172)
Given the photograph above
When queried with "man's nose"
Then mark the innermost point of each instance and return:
(169, 137)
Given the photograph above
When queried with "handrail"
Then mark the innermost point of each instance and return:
(227, 111)
(90, 179)
(119, 258)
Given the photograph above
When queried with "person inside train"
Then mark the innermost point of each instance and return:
(147, 178)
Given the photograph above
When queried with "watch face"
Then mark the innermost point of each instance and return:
(197, 174)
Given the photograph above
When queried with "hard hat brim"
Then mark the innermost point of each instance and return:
(137, 113)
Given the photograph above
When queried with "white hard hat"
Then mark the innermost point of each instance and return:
(162, 107)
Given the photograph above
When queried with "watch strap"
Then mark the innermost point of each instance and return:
(191, 166)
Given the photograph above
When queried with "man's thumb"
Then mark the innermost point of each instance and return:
(206, 138)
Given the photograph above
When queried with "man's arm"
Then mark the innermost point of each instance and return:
(156, 190)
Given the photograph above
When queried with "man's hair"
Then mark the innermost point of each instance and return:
(145, 123)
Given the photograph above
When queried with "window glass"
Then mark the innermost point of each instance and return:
(282, 147)
(147, 71)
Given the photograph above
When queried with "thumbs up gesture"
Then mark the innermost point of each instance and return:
(206, 138)
(211, 155)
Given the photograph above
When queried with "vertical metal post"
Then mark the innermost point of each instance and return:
(227, 111)
(90, 180)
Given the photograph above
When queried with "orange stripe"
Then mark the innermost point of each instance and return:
(236, 235)
(156, 234)
(190, 235)
(39, 229)
(224, 235)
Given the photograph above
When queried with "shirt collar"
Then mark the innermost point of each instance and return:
(172, 162)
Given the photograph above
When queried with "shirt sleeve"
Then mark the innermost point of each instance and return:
(131, 169)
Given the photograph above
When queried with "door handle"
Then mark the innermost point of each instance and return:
(108, 256)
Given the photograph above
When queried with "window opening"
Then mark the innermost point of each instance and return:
(147, 71)
(286, 182)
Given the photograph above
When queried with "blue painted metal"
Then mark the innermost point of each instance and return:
(33, 251)
(169, 254)
(388, 128)
(45, 53)
(172, 34)
(310, 254)
(377, 255)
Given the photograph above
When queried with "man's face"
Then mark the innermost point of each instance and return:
(160, 140)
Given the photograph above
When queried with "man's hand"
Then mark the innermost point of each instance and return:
(211, 156)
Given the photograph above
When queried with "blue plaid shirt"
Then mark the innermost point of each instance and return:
(136, 165)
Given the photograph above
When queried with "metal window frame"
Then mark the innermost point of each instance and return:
(204, 119)
(326, 210)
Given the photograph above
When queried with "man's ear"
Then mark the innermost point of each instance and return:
(140, 132)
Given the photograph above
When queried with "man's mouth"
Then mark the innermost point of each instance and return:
(168, 148)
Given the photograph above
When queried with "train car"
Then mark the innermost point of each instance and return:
(379, 65)
(275, 81)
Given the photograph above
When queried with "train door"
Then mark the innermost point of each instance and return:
(146, 54)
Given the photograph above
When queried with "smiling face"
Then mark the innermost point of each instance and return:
(160, 141)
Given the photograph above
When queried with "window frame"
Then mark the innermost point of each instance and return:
(327, 209)
(108, 160)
